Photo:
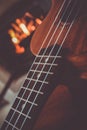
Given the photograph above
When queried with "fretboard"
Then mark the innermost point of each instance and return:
(33, 93)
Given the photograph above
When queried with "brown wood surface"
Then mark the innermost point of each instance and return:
(75, 37)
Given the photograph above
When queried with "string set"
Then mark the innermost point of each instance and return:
(62, 6)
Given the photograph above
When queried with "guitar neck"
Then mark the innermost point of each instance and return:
(33, 94)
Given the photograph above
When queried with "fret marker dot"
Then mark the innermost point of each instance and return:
(23, 106)
(46, 59)
(38, 76)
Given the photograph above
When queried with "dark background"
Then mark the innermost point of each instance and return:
(9, 11)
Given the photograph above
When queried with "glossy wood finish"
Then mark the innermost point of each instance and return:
(75, 36)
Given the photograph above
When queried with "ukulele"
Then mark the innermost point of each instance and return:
(51, 44)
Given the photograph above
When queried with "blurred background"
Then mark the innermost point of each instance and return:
(19, 20)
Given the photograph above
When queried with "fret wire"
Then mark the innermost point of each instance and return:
(21, 113)
(42, 72)
(27, 101)
(33, 90)
(11, 125)
(36, 80)
(40, 56)
(45, 64)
